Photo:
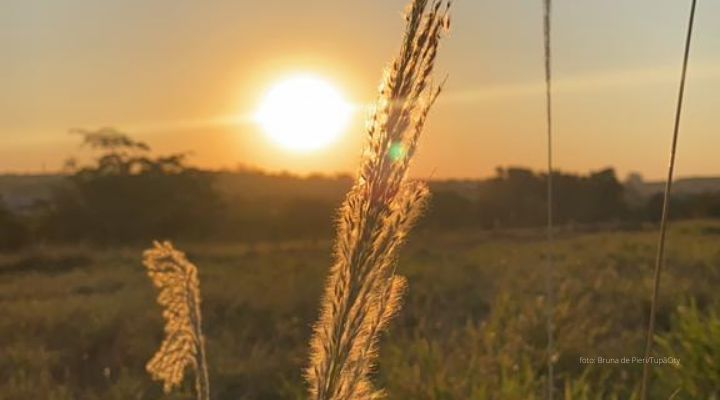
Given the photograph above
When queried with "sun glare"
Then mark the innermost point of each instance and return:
(303, 113)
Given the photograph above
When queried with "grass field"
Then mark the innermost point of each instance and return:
(80, 323)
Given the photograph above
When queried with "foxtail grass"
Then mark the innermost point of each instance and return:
(177, 281)
(363, 292)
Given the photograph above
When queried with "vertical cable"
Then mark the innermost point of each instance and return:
(550, 237)
(660, 259)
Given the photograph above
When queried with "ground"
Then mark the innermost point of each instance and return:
(78, 322)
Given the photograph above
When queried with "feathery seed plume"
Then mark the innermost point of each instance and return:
(179, 295)
(363, 292)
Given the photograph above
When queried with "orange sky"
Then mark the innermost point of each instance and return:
(172, 73)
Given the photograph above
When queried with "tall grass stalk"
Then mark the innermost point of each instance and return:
(549, 268)
(363, 292)
(660, 258)
(179, 295)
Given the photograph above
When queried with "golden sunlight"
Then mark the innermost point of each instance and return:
(303, 113)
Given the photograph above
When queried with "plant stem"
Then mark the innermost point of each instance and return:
(202, 381)
(660, 259)
(550, 237)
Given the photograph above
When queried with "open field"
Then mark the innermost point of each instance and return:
(80, 323)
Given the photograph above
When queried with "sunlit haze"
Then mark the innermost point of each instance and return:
(192, 76)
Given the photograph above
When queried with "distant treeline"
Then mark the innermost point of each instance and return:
(129, 196)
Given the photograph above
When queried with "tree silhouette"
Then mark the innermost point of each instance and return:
(127, 195)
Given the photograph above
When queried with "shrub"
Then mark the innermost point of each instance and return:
(694, 339)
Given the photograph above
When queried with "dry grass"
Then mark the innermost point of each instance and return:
(363, 292)
(177, 281)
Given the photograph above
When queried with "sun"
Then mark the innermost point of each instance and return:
(303, 113)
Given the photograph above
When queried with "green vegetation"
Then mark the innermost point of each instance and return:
(130, 196)
(694, 338)
(177, 201)
(127, 196)
(81, 323)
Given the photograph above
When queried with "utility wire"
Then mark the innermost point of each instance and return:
(660, 259)
(550, 236)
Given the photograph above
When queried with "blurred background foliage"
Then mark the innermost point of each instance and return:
(129, 195)
(78, 319)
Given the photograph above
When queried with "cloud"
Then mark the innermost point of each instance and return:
(588, 83)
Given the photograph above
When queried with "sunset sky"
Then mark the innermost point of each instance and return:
(186, 75)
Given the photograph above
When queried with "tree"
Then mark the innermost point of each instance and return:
(127, 195)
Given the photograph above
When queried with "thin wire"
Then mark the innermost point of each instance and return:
(550, 237)
(660, 259)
